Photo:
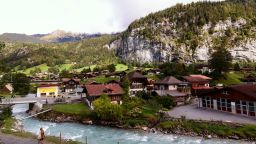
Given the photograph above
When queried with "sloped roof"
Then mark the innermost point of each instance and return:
(99, 89)
(246, 89)
(136, 74)
(68, 79)
(197, 78)
(169, 80)
(173, 93)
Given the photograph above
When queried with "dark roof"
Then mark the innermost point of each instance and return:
(68, 79)
(197, 78)
(48, 85)
(169, 81)
(173, 93)
(99, 89)
(136, 74)
(246, 89)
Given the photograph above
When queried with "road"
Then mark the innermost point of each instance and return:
(33, 99)
(195, 113)
(10, 139)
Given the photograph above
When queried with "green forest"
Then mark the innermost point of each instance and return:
(188, 20)
(20, 56)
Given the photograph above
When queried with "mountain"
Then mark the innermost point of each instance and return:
(86, 52)
(191, 32)
(63, 36)
(14, 37)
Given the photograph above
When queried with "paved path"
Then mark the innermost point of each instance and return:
(195, 113)
(10, 139)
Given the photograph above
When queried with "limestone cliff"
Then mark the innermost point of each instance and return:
(191, 33)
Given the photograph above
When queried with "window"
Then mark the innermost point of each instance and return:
(251, 107)
(218, 103)
(43, 94)
(52, 93)
(238, 107)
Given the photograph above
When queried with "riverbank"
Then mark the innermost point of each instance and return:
(12, 133)
(184, 127)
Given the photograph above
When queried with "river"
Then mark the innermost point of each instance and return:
(106, 135)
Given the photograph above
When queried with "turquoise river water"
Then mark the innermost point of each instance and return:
(106, 135)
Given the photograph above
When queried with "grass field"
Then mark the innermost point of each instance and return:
(43, 68)
(65, 67)
(80, 69)
(77, 109)
(121, 67)
(231, 78)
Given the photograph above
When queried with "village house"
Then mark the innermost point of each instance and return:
(203, 68)
(114, 91)
(170, 86)
(47, 90)
(70, 84)
(197, 82)
(7, 88)
(138, 82)
(236, 99)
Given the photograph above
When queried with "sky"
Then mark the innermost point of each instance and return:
(79, 16)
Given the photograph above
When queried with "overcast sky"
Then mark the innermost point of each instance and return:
(85, 16)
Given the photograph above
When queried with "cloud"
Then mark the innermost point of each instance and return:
(90, 16)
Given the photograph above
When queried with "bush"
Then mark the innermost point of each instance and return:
(135, 122)
(166, 101)
(7, 112)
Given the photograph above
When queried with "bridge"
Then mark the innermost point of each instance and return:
(12, 101)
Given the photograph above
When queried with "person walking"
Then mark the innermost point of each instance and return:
(41, 136)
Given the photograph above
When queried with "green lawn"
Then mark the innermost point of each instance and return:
(80, 69)
(103, 79)
(121, 67)
(65, 67)
(231, 78)
(43, 68)
(77, 109)
(8, 124)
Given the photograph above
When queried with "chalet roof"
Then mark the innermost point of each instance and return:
(197, 78)
(109, 89)
(47, 85)
(170, 80)
(246, 89)
(68, 79)
(173, 93)
(136, 74)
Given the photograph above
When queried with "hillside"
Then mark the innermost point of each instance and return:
(63, 36)
(191, 33)
(14, 37)
(80, 54)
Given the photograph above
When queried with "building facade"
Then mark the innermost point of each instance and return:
(114, 91)
(47, 90)
(138, 82)
(237, 99)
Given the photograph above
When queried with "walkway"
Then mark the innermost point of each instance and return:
(195, 113)
(10, 139)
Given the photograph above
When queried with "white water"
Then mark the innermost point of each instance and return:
(105, 135)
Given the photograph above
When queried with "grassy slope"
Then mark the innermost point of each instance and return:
(121, 67)
(231, 78)
(43, 68)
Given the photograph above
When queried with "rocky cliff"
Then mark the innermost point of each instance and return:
(191, 33)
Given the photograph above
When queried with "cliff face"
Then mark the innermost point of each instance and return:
(169, 39)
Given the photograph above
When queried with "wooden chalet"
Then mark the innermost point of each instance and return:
(114, 91)
(170, 86)
(197, 82)
(70, 84)
(138, 82)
